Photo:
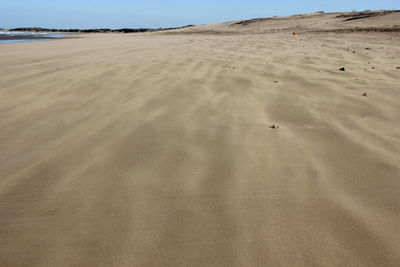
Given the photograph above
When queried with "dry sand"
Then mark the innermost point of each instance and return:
(155, 149)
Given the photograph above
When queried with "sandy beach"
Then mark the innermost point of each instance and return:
(156, 149)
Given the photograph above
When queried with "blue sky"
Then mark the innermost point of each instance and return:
(158, 13)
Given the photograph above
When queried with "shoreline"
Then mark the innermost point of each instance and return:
(12, 36)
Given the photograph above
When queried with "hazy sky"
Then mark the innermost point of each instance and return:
(159, 13)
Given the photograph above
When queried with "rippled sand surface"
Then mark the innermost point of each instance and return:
(156, 149)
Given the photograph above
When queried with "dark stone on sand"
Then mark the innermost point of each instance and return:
(274, 126)
(364, 94)
(342, 69)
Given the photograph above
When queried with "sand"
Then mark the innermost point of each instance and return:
(155, 149)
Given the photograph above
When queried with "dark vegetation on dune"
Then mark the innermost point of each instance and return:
(361, 29)
(123, 30)
(365, 14)
(347, 16)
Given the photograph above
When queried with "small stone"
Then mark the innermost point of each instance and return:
(398, 68)
(373, 68)
(275, 126)
(364, 94)
(342, 69)
(275, 81)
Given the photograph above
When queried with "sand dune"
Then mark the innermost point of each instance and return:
(155, 149)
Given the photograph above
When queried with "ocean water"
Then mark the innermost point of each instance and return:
(18, 37)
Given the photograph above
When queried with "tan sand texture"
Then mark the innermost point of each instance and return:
(155, 149)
